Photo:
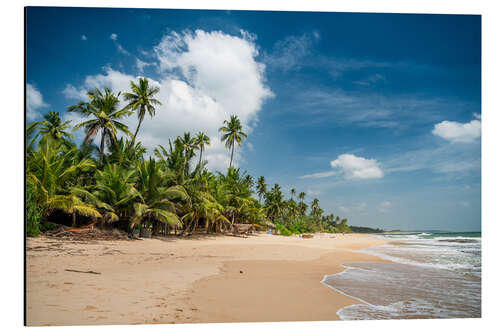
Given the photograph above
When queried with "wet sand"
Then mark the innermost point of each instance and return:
(195, 280)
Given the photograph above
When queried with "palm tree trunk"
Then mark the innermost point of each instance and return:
(232, 152)
(136, 131)
(102, 145)
(73, 224)
(201, 153)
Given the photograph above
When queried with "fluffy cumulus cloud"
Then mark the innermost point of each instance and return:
(204, 77)
(34, 102)
(459, 132)
(354, 167)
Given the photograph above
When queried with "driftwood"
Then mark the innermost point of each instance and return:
(307, 236)
(77, 271)
(241, 228)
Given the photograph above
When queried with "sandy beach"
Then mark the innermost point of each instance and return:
(196, 280)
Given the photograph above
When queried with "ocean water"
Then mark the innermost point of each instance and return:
(431, 275)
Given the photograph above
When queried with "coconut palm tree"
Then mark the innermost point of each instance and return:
(232, 132)
(261, 187)
(53, 173)
(157, 198)
(302, 196)
(201, 140)
(293, 191)
(141, 100)
(103, 108)
(274, 202)
(51, 127)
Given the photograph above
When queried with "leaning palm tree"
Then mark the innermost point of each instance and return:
(141, 100)
(232, 132)
(201, 140)
(103, 108)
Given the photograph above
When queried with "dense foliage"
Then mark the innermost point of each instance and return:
(33, 216)
(366, 230)
(117, 182)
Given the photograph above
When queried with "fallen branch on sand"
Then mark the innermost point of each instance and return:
(77, 271)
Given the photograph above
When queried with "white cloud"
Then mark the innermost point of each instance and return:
(288, 53)
(319, 175)
(354, 167)
(72, 92)
(34, 102)
(142, 64)
(113, 36)
(312, 192)
(384, 206)
(459, 132)
(359, 207)
(204, 78)
(84, 37)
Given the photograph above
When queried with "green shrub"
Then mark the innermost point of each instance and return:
(33, 215)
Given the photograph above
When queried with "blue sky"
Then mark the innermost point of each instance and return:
(376, 115)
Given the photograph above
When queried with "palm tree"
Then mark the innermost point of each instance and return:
(103, 108)
(51, 127)
(114, 192)
(157, 199)
(141, 99)
(261, 187)
(274, 202)
(293, 192)
(201, 140)
(232, 132)
(53, 173)
(302, 196)
(188, 143)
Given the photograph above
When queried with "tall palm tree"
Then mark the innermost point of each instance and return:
(302, 196)
(232, 132)
(141, 100)
(293, 191)
(103, 108)
(51, 127)
(261, 187)
(201, 140)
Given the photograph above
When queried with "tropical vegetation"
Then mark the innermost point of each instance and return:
(170, 191)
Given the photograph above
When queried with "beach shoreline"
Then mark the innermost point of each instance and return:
(205, 279)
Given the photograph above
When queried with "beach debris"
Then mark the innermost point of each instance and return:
(241, 272)
(242, 228)
(307, 236)
(77, 271)
(87, 233)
